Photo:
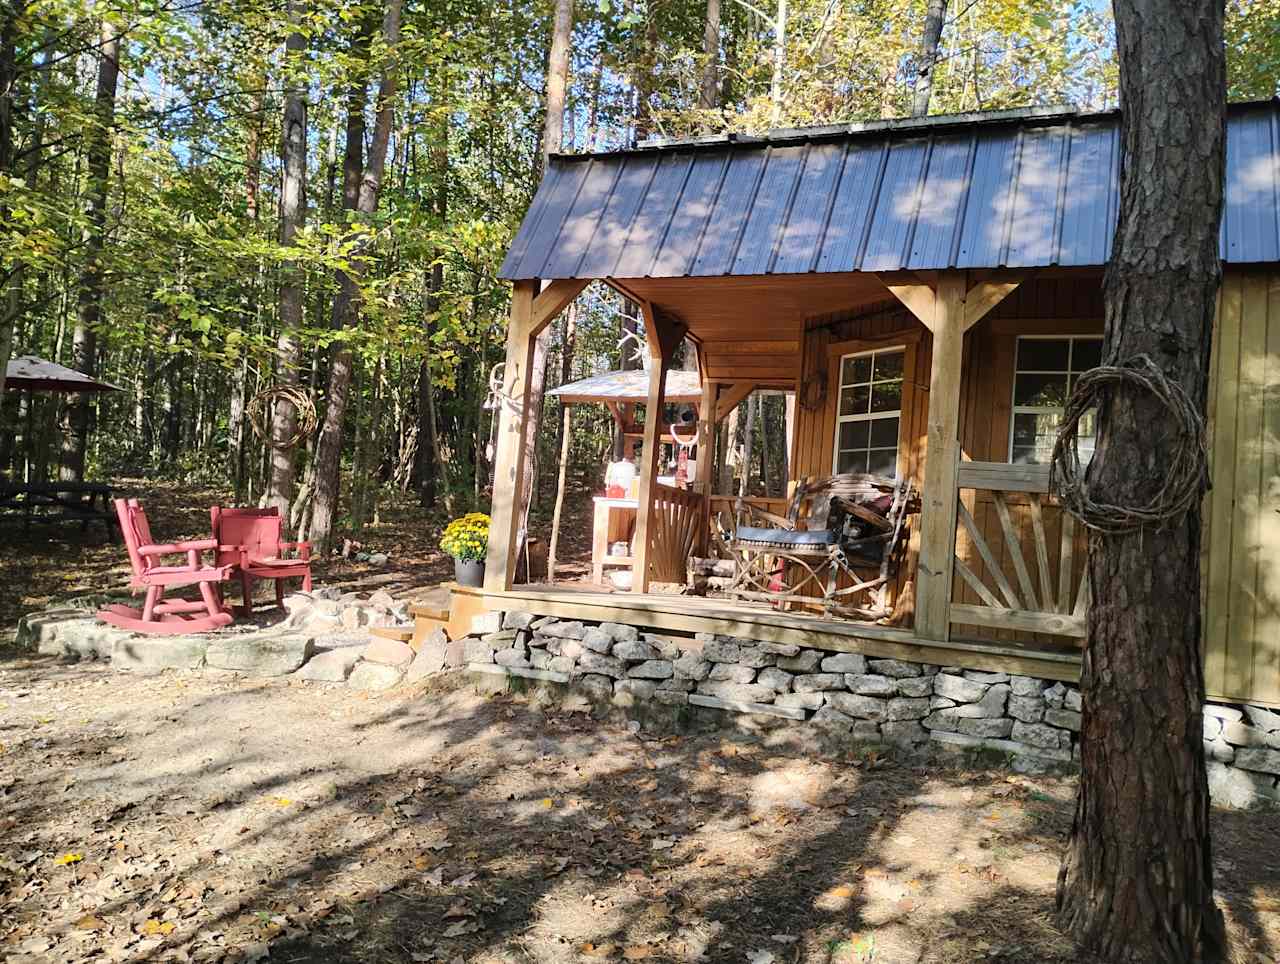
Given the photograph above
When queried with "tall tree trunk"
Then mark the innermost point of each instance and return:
(709, 93)
(89, 307)
(293, 212)
(750, 406)
(1137, 880)
(778, 82)
(329, 446)
(8, 88)
(927, 58)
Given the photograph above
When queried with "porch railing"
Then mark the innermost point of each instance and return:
(1020, 583)
(677, 531)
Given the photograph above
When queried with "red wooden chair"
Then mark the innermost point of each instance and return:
(157, 615)
(249, 542)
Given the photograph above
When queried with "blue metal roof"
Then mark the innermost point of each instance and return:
(1015, 189)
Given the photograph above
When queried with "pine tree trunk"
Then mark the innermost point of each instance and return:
(778, 81)
(293, 208)
(8, 81)
(1137, 880)
(927, 58)
(84, 349)
(709, 93)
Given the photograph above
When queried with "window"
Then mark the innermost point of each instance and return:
(870, 407)
(1044, 375)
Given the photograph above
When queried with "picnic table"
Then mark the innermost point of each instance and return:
(84, 502)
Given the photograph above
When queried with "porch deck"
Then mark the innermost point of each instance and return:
(665, 613)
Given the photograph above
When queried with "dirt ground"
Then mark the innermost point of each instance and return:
(187, 817)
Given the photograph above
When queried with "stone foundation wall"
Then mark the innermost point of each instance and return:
(844, 697)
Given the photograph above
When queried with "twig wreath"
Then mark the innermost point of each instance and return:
(1183, 485)
(262, 404)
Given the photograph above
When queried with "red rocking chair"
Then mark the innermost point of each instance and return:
(157, 615)
(249, 542)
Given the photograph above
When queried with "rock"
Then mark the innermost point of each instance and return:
(1074, 701)
(814, 682)
(871, 685)
(482, 623)
(804, 701)
(629, 692)
(572, 648)
(776, 679)
(389, 652)
(1211, 727)
(716, 651)
(831, 720)
(940, 703)
(503, 639)
(1026, 685)
(651, 669)
(261, 654)
(1028, 709)
(69, 633)
(1056, 695)
(998, 729)
(806, 661)
(903, 733)
(744, 706)
(1268, 721)
(1237, 734)
(560, 664)
(331, 666)
(602, 665)
(1022, 750)
(298, 601)
(381, 598)
(678, 684)
(901, 709)
(1066, 719)
(671, 697)
(854, 663)
(353, 617)
(1225, 713)
(895, 668)
(632, 649)
(991, 705)
(512, 658)
(374, 676)
(1219, 750)
(430, 658)
(755, 657)
(944, 719)
(597, 640)
(667, 648)
(455, 654)
(691, 666)
(518, 619)
(980, 677)
(476, 651)
(958, 688)
(788, 650)
(1037, 735)
(1258, 760)
(619, 632)
(947, 738)
(526, 672)
(540, 658)
(1241, 789)
(564, 630)
(379, 559)
(915, 686)
(594, 686)
(732, 672)
(859, 707)
(736, 692)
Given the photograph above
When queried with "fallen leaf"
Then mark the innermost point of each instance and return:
(91, 923)
(603, 950)
(547, 803)
(282, 802)
(68, 858)
(153, 927)
(637, 952)
(460, 928)
(459, 909)
(463, 881)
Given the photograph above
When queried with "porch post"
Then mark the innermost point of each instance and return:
(531, 312)
(946, 305)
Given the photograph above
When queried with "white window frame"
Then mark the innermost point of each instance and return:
(1014, 409)
(868, 416)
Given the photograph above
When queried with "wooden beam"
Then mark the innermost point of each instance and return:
(919, 298)
(553, 299)
(730, 397)
(640, 570)
(984, 296)
(509, 461)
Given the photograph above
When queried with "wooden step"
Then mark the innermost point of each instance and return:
(401, 633)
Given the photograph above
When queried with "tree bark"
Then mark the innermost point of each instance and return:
(1136, 882)
(84, 346)
(709, 94)
(749, 409)
(346, 305)
(293, 210)
(557, 80)
(927, 58)
(777, 83)
(8, 82)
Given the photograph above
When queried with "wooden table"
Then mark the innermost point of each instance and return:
(614, 521)
(82, 502)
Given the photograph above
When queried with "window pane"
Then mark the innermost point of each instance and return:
(856, 370)
(884, 432)
(853, 435)
(1040, 390)
(1043, 354)
(854, 401)
(883, 462)
(1024, 454)
(1034, 435)
(852, 462)
(1086, 353)
(888, 365)
(886, 396)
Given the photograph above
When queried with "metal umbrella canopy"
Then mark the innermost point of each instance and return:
(30, 373)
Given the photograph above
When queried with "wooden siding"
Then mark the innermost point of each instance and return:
(1241, 547)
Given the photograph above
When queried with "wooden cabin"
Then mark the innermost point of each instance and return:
(928, 289)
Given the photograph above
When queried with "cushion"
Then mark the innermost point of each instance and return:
(786, 537)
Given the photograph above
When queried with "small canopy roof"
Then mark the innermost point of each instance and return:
(629, 387)
(28, 373)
